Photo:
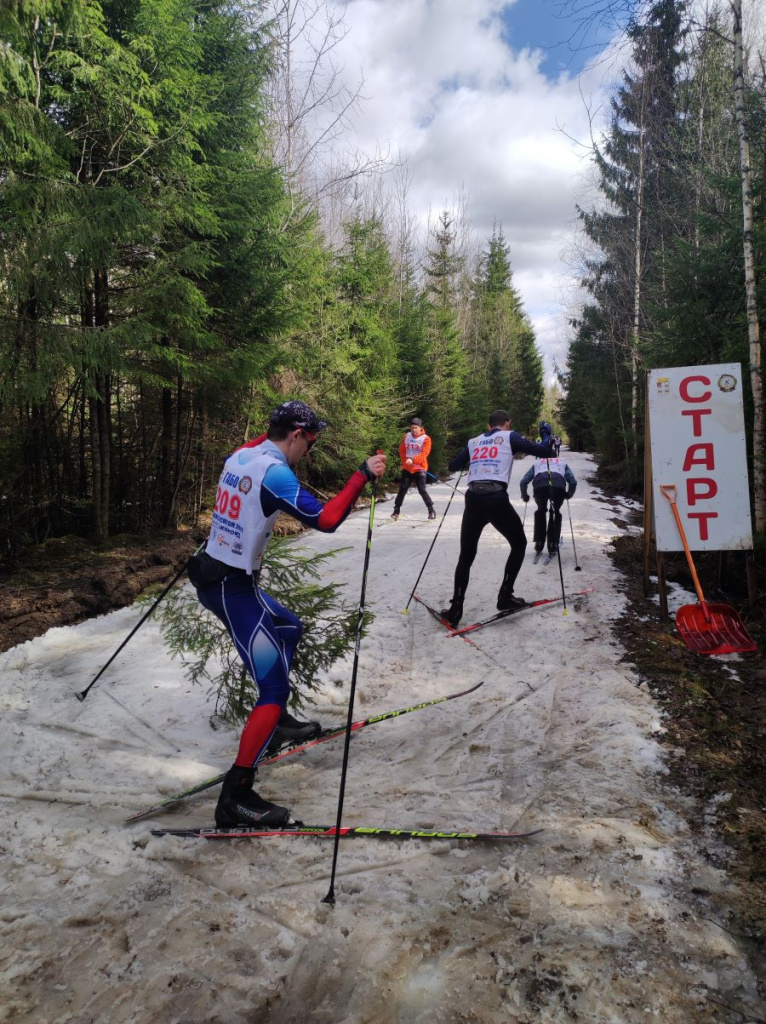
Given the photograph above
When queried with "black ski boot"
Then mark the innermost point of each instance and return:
(291, 730)
(454, 613)
(240, 805)
(507, 601)
(432, 513)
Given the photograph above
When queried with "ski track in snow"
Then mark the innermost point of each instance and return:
(594, 920)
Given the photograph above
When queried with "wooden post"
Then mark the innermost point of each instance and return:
(647, 490)
(662, 585)
(752, 589)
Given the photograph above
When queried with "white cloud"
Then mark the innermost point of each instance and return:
(443, 89)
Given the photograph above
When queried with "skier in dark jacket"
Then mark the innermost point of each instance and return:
(552, 480)
(490, 458)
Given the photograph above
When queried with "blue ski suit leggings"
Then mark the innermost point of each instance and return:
(265, 635)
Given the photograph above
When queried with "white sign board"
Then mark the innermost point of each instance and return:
(697, 427)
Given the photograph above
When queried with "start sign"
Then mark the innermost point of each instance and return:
(697, 429)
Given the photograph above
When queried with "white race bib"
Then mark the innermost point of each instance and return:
(491, 457)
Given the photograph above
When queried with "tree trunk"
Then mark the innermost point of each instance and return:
(753, 328)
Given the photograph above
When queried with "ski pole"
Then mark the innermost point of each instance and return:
(84, 693)
(552, 532)
(577, 564)
(406, 609)
(330, 897)
(525, 514)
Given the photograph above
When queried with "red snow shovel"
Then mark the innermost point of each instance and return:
(707, 628)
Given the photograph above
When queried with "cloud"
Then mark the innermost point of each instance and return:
(444, 88)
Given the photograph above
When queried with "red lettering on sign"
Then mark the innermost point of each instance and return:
(684, 389)
(706, 457)
(703, 518)
(693, 494)
(696, 415)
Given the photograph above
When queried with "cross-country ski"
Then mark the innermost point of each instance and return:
(301, 831)
(299, 748)
(528, 607)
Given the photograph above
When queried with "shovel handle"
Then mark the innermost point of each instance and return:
(669, 491)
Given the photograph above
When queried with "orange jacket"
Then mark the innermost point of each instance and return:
(419, 462)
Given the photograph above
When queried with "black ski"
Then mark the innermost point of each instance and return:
(514, 611)
(298, 830)
(328, 734)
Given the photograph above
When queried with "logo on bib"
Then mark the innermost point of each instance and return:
(245, 485)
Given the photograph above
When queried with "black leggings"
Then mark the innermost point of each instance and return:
(420, 482)
(557, 495)
(481, 510)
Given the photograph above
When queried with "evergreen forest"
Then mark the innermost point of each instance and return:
(171, 269)
(175, 261)
(673, 254)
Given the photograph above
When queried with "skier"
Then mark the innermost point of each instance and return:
(414, 451)
(490, 458)
(546, 432)
(553, 480)
(256, 484)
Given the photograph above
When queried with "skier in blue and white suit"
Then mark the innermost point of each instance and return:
(552, 480)
(256, 484)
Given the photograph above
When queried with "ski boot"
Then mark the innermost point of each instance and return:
(507, 601)
(454, 613)
(538, 556)
(291, 730)
(431, 514)
(240, 805)
(394, 515)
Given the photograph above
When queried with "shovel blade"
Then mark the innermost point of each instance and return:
(721, 631)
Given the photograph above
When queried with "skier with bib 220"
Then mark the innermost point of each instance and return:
(413, 452)
(552, 480)
(256, 484)
(489, 458)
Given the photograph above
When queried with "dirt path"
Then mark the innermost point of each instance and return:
(611, 915)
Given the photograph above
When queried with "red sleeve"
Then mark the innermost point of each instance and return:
(252, 444)
(337, 508)
(403, 453)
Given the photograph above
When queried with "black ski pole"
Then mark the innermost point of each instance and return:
(330, 897)
(552, 533)
(577, 564)
(558, 552)
(84, 693)
(406, 609)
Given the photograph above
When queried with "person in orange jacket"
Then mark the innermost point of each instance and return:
(414, 451)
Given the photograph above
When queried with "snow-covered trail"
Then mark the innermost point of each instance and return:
(594, 920)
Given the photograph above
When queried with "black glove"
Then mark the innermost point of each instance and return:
(525, 498)
(364, 468)
(570, 493)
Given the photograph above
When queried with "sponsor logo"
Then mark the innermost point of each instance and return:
(236, 548)
(499, 439)
(663, 385)
(245, 484)
(230, 479)
(726, 382)
(221, 541)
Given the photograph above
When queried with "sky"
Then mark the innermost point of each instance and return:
(491, 99)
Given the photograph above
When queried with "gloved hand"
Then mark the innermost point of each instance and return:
(569, 493)
(525, 498)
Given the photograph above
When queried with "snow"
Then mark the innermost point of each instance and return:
(592, 920)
